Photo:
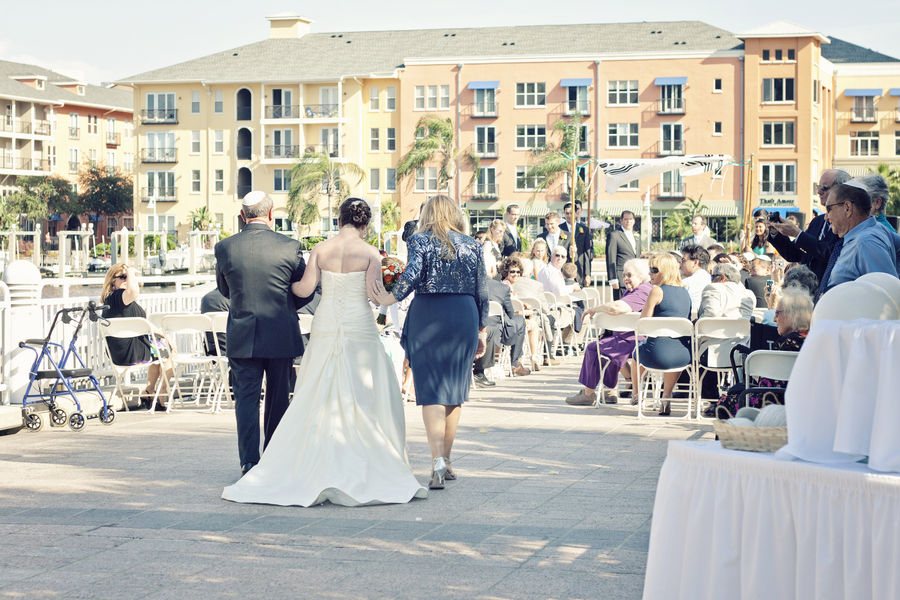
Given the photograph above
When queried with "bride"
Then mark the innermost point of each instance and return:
(343, 439)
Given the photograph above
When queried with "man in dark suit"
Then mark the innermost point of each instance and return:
(553, 235)
(697, 237)
(811, 247)
(255, 270)
(584, 242)
(760, 273)
(511, 241)
(621, 246)
(511, 327)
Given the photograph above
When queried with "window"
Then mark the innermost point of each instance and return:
(283, 104)
(73, 160)
(129, 130)
(577, 100)
(427, 179)
(283, 224)
(671, 185)
(161, 107)
(622, 92)
(863, 143)
(219, 102)
(864, 109)
(218, 141)
(529, 137)
(128, 162)
(161, 223)
(420, 97)
(672, 139)
(778, 133)
(219, 181)
(526, 182)
(623, 135)
(717, 128)
(390, 94)
(765, 55)
(92, 157)
(92, 127)
(815, 91)
(717, 85)
(431, 99)
(391, 139)
(111, 162)
(80, 89)
(374, 180)
(897, 143)
(195, 182)
(486, 141)
(373, 140)
(195, 142)
(282, 180)
(778, 89)
(778, 55)
(486, 186)
(161, 185)
(110, 128)
(531, 94)
(53, 157)
(778, 178)
(160, 147)
(282, 144)
(40, 84)
(390, 184)
(444, 98)
(671, 99)
(373, 99)
(195, 103)
(631, 185)
(815, 136)
(792, 55)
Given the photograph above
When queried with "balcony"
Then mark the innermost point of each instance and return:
(159, 116)
(484, 149)
(483, 110)
(73, 166)
(787, 188)
(283, 111)
(289, 152)
(158, 155)
(577, 106)
(670, 148)
(329, 150)
(486, 191)
(671, 190)
(113, 139)
(670, 106)
(321, 111)
(10, 125)
(865, 114)
(160, 194)
(31, 164)
(74, 133)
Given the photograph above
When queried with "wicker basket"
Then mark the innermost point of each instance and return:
(753, 439)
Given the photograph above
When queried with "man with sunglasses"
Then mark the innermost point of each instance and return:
(812, 247)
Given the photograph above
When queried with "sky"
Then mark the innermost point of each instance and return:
(105, 40)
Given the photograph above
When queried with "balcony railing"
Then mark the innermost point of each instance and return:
(30, 164)
(10, 125)
(282, 151)
(483, 109)
(73, 166)
(283, 111)
(7, 124)
(152, 116)
(670, 106)
(866, 114)
(671, 148)
(578, 106)
(74, 133)
(778, 187)
(584, 149)
(112, 138)
(486, 191)
(244, 152)
(244, 113)
(159, 155)
(674, 189)
(321, 111)
(329, 150)
(485, 149)
(6, 161)
(160, 194)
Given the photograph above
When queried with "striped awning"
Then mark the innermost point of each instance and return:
(863, 93)
(614, 209)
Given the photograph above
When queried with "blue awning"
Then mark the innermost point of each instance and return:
(576, 82)
(670, 81)
(817, 211)
(895, 91)
(94, 218)
(862, 93)
(484, 85)
(54, 218)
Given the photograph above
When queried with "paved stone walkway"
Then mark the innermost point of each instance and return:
(552, 501)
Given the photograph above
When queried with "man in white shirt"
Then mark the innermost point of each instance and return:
(553, 235)
(511, 240)
(552, 279)
(699, 237)
(694, 277)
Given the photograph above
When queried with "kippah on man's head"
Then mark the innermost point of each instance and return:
(253, 198)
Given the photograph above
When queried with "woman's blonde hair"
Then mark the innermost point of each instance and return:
(108, 280)
(669, 269)
(534, 246)
(440, 215)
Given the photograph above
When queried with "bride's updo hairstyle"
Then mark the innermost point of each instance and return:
(356, 212)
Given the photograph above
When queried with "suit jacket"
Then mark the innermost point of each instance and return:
(618, 252)
(565, 240)
(510, 243)
(727, 300)
(255, 270)
(757, 285)
(214, 301)
(499, 292)
(705, 242)
(584, 243)
(808, 249)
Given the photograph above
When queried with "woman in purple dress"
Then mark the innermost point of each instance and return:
(618, 347)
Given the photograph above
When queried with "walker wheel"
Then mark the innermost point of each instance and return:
(76, 421)
(33, 422)
(58, 417)
(107, 415)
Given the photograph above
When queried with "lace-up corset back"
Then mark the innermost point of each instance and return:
(344, 311)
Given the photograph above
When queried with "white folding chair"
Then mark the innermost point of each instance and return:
(888, 283)
(128, 327)
(563, 318)
(663, 327)
(855, 300)
(538, 305)
(586, 326)
(190, 331)
(519, 306)
(618, 323)
(716, 336)
(495, 309)
(771, 364)
(219, 322)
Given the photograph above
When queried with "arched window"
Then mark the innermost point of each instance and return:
(244, 105)
(244, 144)
(244, 182)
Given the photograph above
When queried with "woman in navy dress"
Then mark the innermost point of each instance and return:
(445, 329)
(667, 299)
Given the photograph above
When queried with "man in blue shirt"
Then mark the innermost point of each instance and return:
(865, 246)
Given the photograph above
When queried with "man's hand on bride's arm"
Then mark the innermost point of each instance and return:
(381, 295)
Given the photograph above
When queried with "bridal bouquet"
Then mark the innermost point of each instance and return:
(390, 273)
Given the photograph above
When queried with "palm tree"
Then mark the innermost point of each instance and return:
(390, 216)
(314, 175)
(892, 177)
(552, 161)
(201, 219)
(436, 142)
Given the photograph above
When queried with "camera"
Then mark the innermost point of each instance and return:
(775, 218)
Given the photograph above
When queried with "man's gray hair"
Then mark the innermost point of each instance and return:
(727, 271)
(841, 176)
(260, 210)
(640, 269)
(878, 188)
(796, 306)
(802, 277)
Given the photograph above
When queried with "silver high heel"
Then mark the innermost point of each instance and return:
(438, 470)
(450, 475)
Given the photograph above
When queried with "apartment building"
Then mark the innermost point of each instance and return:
(51, 124)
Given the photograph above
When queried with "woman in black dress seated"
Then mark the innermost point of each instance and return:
(446, 326)
(120, 293)
(666, 299)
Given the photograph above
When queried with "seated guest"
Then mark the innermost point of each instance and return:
(511, 272)
(742, 264)
(759, 243)
(759, 275)
(716, 249)
(725, 296)
(553, 281)
(618, 347)
(485, 362)
(570, 272)
(802, 276)
(667, 299)
(529, 288)
(694, 277)
(793, 316)
(510, 326)
(879, 194)
(723, 259)
(540, 256)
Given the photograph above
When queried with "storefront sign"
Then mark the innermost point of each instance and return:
(778, 202)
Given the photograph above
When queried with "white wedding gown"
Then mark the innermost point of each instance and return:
(343, 438)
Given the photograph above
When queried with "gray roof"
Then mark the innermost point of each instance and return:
(839, 51)
(94, 95)
(326, 56)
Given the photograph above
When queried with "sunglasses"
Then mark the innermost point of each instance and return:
(821, 189)
(559, 256)
(123, 277)
(515, 272)
(654, 270)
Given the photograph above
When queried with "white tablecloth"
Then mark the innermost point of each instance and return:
(741, 525)
(842, 399)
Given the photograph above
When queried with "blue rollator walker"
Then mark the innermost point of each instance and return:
(63, 377)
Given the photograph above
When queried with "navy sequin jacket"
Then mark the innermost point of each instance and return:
(427, 273)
